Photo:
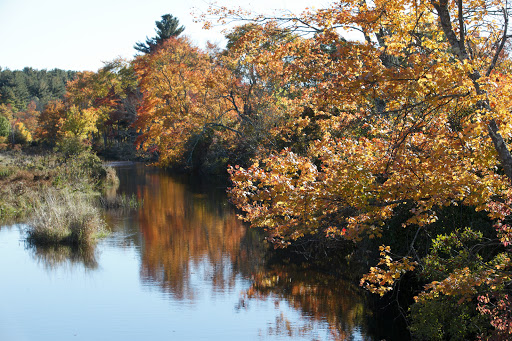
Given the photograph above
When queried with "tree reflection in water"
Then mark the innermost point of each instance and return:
(189, 235)
(191, 241)
(319, 297)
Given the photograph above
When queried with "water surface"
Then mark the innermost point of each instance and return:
(182, 267)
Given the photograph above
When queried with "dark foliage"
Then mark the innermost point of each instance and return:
(20, 87)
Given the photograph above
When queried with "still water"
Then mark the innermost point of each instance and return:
(182, 267)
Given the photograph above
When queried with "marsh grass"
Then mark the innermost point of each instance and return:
(66, 218)
(57, 194)
(111, 178)
(24, 177)
(121, 201)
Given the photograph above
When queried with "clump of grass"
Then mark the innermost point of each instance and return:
(121, 201)
(6, 171)
(111, 178)
(66, 218)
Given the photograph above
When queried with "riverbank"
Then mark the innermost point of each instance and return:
(56, 194)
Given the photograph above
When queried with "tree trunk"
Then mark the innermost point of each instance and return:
(460, 52)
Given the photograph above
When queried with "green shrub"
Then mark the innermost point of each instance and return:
(446, 318)
(5, 126)
(69, 146)
(6, 172)
(83, 172)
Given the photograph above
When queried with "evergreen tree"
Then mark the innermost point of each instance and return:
(19, 88)
(166, 28)
(4, 126)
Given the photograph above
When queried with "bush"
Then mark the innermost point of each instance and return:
(446, 318)
(83, 171)
(5, 126)
(69, 146)
(21, 135)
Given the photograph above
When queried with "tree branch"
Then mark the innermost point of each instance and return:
(462, 40)
(492, 127)
(502, 44)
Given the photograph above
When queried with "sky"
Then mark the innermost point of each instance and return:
(83, 34)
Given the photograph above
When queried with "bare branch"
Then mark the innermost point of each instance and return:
(502, 44)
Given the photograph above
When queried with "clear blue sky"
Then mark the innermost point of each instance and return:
(82, 34)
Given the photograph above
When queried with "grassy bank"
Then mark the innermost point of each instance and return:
(56, 194)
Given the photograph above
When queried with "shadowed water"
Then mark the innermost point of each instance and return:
(181, 267)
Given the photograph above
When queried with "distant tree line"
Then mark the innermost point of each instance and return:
(21, 87)
(24, 94)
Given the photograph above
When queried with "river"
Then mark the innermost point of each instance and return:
(181, 267)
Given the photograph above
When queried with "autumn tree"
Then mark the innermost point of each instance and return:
(209, 108)
(122, 100)
(50, 122)
(414, 119)
(28, 117)
(112, 95)
(99, 107)
(182, 99)
(25, 93)
(259, 56)
(71, 117)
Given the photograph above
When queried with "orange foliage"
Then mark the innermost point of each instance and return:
(413, 115)
(51, 120)
(182, 230)
(223, 101)
(182, 96)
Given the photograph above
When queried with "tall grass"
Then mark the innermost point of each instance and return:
(111, 178)
(57, 194)
(65, 217)
(121, 201)
(24, 177)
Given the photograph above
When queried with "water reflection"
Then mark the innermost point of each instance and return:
(53, 256)
(192, 242)
(185, 242)
(318, 296)
(189, 235)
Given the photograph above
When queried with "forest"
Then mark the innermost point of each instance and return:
(376, 131)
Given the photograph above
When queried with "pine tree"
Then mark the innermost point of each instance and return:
(166, 28)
